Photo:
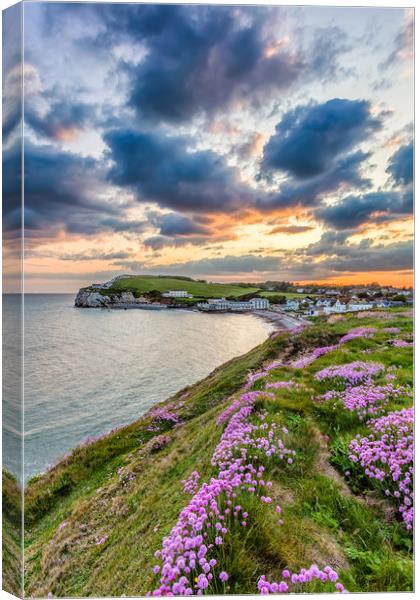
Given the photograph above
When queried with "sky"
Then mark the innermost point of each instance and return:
(229, 143)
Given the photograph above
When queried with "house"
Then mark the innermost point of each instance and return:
(323, 303)
(337, 307)
(177, 294)
(307, 302)
(291, 304)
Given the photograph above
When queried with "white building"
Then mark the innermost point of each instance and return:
(337, 307)
(177, 294)
(259, 303)
(215, 304)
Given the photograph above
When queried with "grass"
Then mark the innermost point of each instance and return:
(123, 488)
(12, 534)
(145, 283)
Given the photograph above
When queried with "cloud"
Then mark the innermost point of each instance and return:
(311, 139)
(403, 46)
(366, 257)
(175, 224)
(341, 255)
(62, 121)
(197, 61)
(226, 265)
(401, 164)
(96, 255)
(157, 242)
(344, 174)
(200, 61)
(291, 229)
(313, 142)
(63, 192)
(162, 169)
(12, 69)
(356, 210)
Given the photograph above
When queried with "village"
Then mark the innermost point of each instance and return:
(270, 297)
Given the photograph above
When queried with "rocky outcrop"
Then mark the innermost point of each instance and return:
(88, 298)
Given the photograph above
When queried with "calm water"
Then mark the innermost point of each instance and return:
(89, 370)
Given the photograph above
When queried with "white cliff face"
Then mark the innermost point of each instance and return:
(87, 298)
(90, 298)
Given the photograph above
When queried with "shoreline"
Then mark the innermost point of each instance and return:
(275, 324)
(286, 321)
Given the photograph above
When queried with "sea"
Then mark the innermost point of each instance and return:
(87, 371)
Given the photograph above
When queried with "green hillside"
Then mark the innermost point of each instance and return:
(95, 521)
(146, 283)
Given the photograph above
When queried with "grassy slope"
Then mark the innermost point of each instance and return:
(324, 520)
(145, 283)
(12, 530)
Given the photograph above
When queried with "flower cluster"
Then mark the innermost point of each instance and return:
(304, 361)
(358, 332)
(157, 443)
(165, 414)
(366, 400)
(188, 566)
(401, 343)
(101, 540)
(253, 377)
(393, 330)
(247, 399)
(296, 582)
(386, 456)
(191, 483)
(352, 373)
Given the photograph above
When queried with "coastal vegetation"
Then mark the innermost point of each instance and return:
(245, 481)
(141, 284)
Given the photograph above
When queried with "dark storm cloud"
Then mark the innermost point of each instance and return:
(161, 169)
(62, 192)
(401, 164)
(175, 224)
(372, 207)
(164, 170)
(202, 59)
(344, 173)
(310, 139)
